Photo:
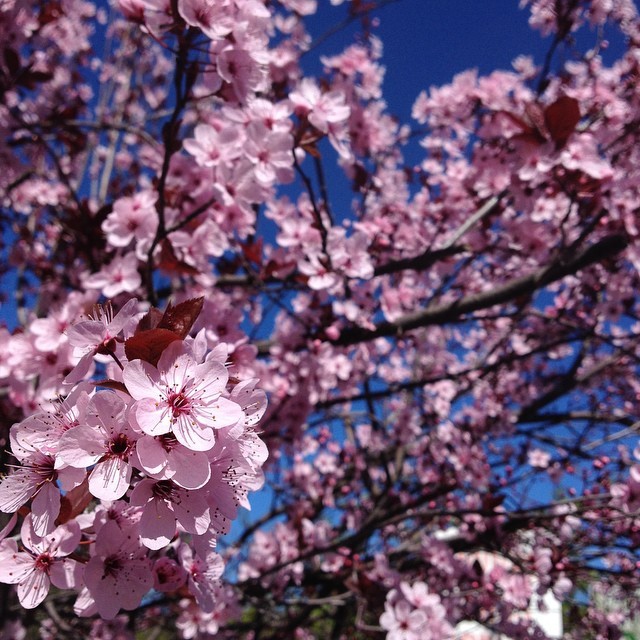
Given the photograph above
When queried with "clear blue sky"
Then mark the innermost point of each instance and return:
(426, 42)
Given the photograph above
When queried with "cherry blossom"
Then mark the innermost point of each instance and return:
(322, 109)
(97, 335)
(39, 479)
(104, 443)
(163, 457)
(119, 276)
(118, 575)
(132, 218)
(416, 337)
(203, 574)
(163, 504)
(43, 562)
(181, 396)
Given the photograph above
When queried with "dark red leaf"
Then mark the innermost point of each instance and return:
(112, 384)
(180, 319)
(170, 264)
(33, 77)
(150, 320)
(273, 267)
(311, 149)
(561, 119)
(490, 502)
(51, 12)
(252, 251)
(149, 345)
(74, 502)
(532, 126)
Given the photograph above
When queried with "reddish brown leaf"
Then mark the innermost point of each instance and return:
(490, 502)
(180, 319)
(149, 345)
(170, 264)
(150, 320)
(112, 384)
(252, 251)
(532, 125)
(311, 149)
(535, 115)
(51, 12)
(74, 502)
(561, 119)
(273, 268)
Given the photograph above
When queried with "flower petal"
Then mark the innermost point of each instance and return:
(109, 480)
(192, 435)
(45, 509)
(157, 525)
(81, 447)
(34, 589)
(190, 469)
(153, 418)
(141, 380)
(151, 455)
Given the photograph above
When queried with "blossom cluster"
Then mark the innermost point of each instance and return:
(413, 613)
(444, 313)
(125, 485)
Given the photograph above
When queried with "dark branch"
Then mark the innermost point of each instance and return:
(525, 285)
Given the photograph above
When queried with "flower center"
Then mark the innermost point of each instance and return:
(44, 562)
(164, 490)
(179, 403)
(112, 564)
(119, 446)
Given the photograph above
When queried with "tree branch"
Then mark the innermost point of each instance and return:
(525, 285)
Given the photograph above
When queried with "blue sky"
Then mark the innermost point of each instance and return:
(426, 42)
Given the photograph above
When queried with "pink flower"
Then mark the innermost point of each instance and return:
(37, 480)
(42, 562)
(539, 458)
(164, 458)
(98, 335)
(132, 9)
(240, 68)
(107, 442)
(516, 589)
(42, 431)
(214, 17)
(119, 573)
(132, 218)
(321, 109)
(210, 146)
(195, 248)
(50, 330)
(271, 153)
(119, 276)
(181, 396)
(203, 575)
(253, 402)
(165, 502)
(402, 621)
(350, 256)
(412, 613)
(321, 276)
(168, 575)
